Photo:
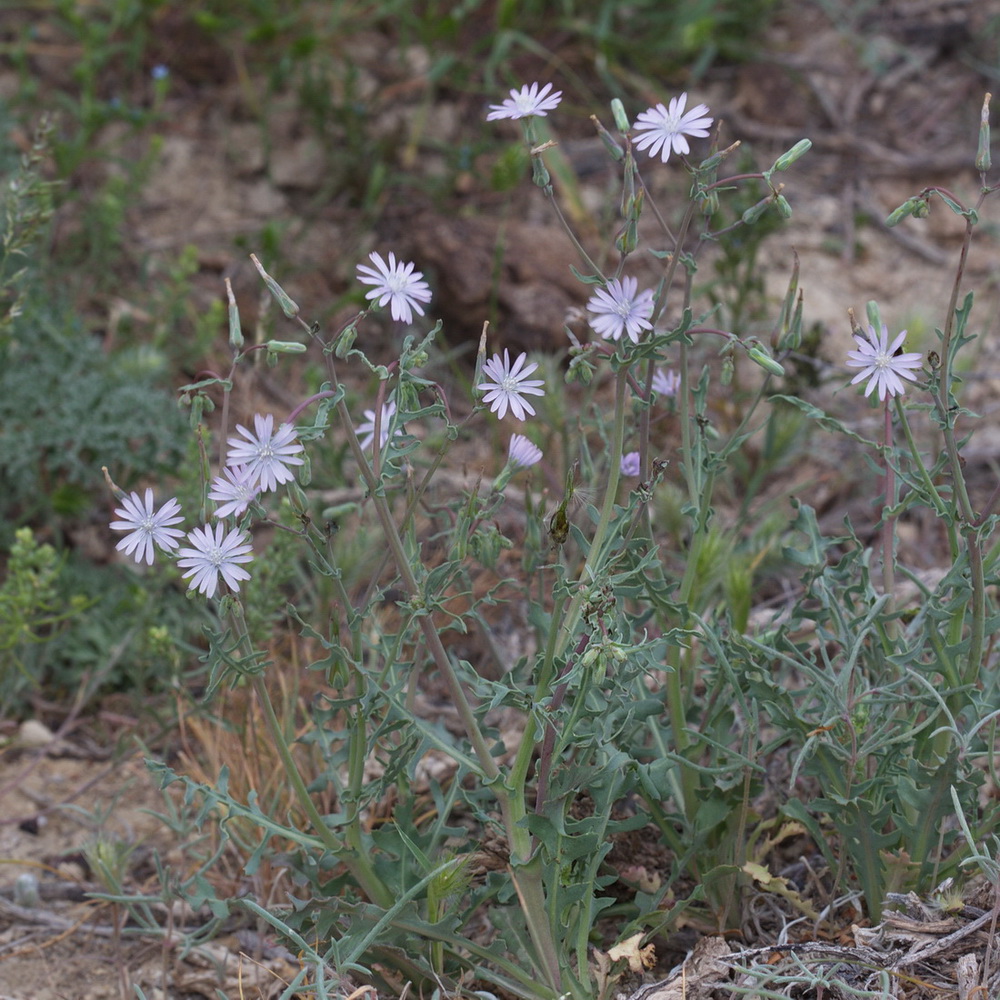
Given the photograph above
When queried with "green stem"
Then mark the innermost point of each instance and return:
(512, 803)
(889, 523)
(940, 507)
(595, 556)
(357, 862)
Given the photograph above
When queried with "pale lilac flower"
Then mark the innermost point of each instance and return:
(666, 382)
(664, 129)
(879, 362)
(368, 427)
(396, 283)
(267, 453)
(233, 490)
(215, 553)
(526, 102)
(147, 527)
(630, 465)
(618, 309)
(510, 384)
(523, 453)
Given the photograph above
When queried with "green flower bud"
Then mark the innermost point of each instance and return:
(628, 239)
(726, 375)
(298, 500)
(897, 215)
(580, 370)
(288, 307)
(285, 347)
(983, 159)
(797, 151)
(540, 173)
(783, 207)
(754, 212)
(621, 119)
(346, 341)
(235, 331)
(760, 357)
(611, 144)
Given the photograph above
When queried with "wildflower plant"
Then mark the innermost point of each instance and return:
(646, 697)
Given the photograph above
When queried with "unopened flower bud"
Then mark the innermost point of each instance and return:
(580, 370)
(781, 202)
(628, 239)
(621, 119)
(726, 375)
(540, 173)
(797, 151)
(754, 212)
(760, 357)
(983, 160)
(611, 144)
(298, 500)
(346, 341)
(285, 347)
(235, 331)
(288, 307)
(897, 215)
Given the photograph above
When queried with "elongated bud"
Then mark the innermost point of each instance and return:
(628, 239)
(539, 172)
(797, 151)
(235, 330)
(759, 356)
(783, 207)
(716, 158)
(754, 212)
(480, 359)
(112, 485)
(791, 340)
(873, 314)
(621, 119)
(288, 307)
(728, 367)
(298, 499)
(897, 215)
(285, 347)
(983, 160)
(346, 341)
(611, 144)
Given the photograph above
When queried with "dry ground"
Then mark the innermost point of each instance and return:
(880, 134)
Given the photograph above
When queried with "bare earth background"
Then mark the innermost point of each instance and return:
(880, 131)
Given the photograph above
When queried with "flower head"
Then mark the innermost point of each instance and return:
(396, 283)
(880, 363)
(367, 429)
(267, 453)
(233, 490)
(664, 129)
(510, 384)
(630, 465)
(526, 102)
(666, 382)
(523, 453)
(618, 309)
(147, 527)
(215, 553)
